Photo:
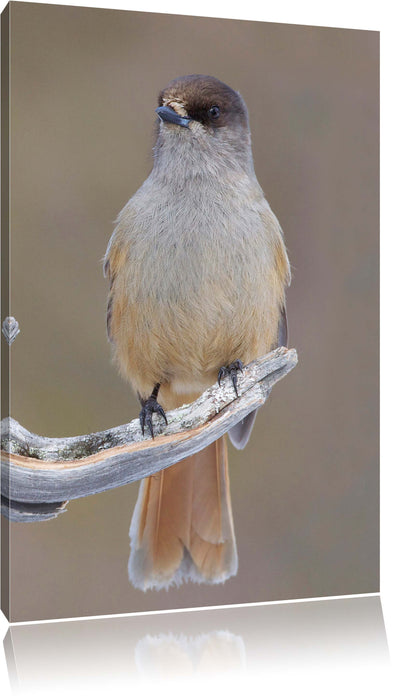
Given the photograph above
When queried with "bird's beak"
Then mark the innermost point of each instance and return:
(167, 114)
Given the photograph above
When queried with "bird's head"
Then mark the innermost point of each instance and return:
(202, 110)
(202, 99)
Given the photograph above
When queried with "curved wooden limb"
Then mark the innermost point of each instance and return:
(40, 470)
(19, 512)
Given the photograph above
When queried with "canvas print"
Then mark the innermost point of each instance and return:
(189, 312)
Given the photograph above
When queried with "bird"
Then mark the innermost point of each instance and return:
(198, 270)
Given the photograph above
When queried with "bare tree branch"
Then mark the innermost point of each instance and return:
(39, 470)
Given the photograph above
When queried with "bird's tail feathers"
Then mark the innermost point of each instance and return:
(182, 527)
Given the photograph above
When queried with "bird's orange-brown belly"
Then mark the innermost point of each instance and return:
(182, 347)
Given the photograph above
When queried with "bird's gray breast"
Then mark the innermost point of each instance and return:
(197, 236)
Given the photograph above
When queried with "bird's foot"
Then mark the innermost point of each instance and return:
(231, 371)
(150, 406)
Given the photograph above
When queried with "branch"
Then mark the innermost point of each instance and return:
(39, 470)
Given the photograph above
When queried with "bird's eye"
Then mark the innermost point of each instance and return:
(214, 112)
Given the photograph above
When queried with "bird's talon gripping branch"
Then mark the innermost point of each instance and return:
(231, 371)
(150, 406)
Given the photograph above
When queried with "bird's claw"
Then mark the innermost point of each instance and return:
(231, 371)
(150, 406)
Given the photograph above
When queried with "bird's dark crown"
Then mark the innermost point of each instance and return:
(195, 95)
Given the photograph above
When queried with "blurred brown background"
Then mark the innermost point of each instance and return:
(84, 84)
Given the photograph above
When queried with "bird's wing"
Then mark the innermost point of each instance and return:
(108, 273)
(283, 328)
(240, 433)
(113, 260)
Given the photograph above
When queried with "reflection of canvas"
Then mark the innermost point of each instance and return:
(169, 655)
(305, 489)
(230, 643)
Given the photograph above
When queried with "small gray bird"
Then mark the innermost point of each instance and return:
(198, 269)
